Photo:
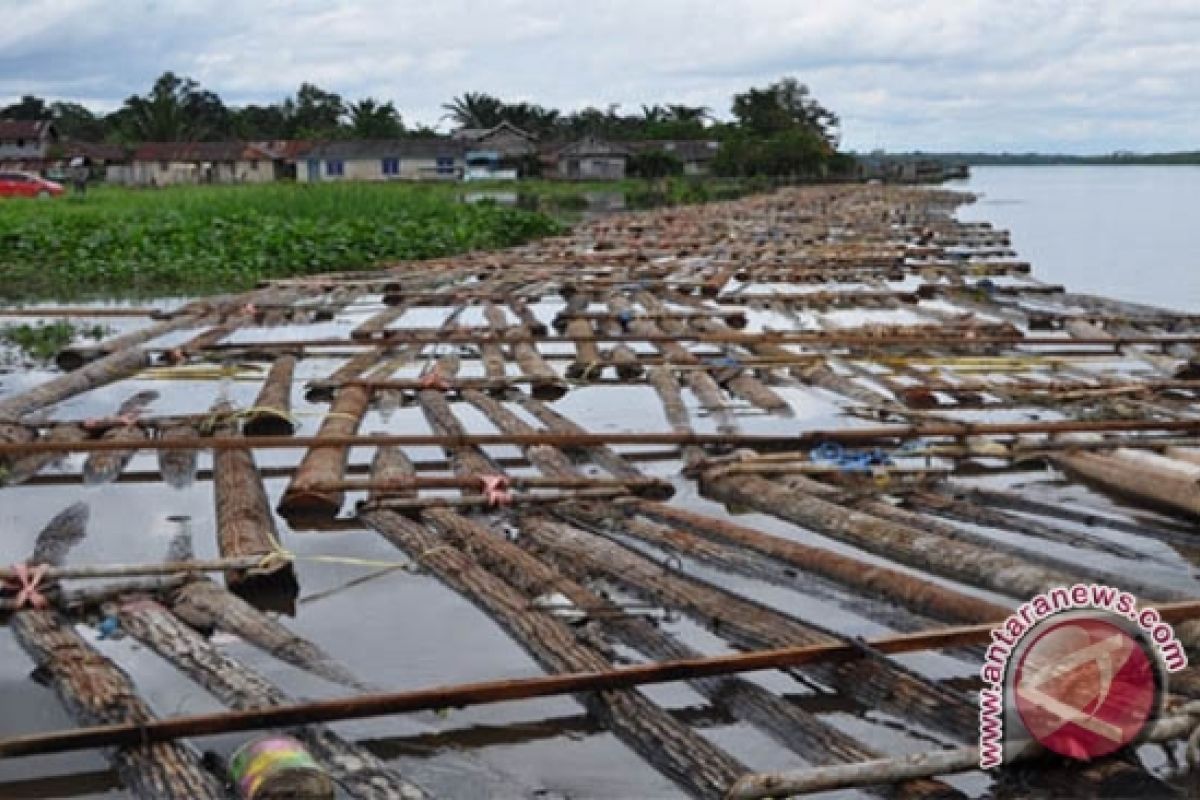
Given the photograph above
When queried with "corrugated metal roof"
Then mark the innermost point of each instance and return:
(199, 151)
(24, 128)
(351, 149)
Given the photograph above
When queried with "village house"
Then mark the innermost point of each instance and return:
(591, 158)
(496, 153)
(383, 160)
(171, 163)
(25, 144)
(98, 158)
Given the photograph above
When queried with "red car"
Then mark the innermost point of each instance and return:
(24, 184)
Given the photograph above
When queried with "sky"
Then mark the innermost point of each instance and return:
(1081, 76)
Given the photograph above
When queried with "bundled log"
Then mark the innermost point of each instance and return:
(354, 768)
(96, 691)
(873, 681)
(206, 606)
(795, 729)
(908, 545)
(271, 413)
(246, 527)
(921, 596)
(684, 756)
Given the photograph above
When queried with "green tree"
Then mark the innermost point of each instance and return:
(654, 164)
(475, 110)
(175, 109)
(782, 106)
(254, 122)
(370, 119)
(77, 123)
(28, 108)
(314, 114)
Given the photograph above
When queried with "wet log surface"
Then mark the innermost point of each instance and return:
(94, 690)
(354, 768)
(873, 681)
(271, 412)
(684, 756)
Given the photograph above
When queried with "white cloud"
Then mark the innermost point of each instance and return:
(1091, 75)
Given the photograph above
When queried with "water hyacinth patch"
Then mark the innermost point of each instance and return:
(224, 238)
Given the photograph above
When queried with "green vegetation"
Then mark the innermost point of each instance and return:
(208, 239)
(43, 340)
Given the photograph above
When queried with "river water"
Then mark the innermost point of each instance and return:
(1122, 231)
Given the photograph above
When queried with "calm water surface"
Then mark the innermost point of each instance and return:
(1125, 232)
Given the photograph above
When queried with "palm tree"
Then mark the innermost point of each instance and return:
(475, 110)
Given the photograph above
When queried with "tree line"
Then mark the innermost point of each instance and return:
(779, 129)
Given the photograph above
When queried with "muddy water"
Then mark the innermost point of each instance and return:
(401, 630)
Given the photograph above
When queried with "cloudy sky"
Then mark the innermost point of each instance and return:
(1049, 75)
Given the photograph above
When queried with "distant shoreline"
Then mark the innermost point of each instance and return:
(1049, 160)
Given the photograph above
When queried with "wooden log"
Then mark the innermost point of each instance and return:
(376, 325)
(873, 682)
(271, 414)
(587, 363)
(465, 458)
(506, 690)
(903, 588)
(941, 503)
(323, 391)
(206, 606)
(629, 367)
(104, 467)
(300, 504)
(96, 691)
(547, 459)
(688, 759)
(759, 786)
(527, 317)
(178, 467)
(19, 469)
(493, 361)
(546, 384)
(73, 358)
(603, 455)
(795, 729)
(246, 527)
(390, 464)
(107, 370)
(354, 768)
(669, 394)
(1064, 567)
(907, 545)
(1163, 489)
(709, 394)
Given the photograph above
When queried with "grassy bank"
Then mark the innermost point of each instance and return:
(207, 239)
